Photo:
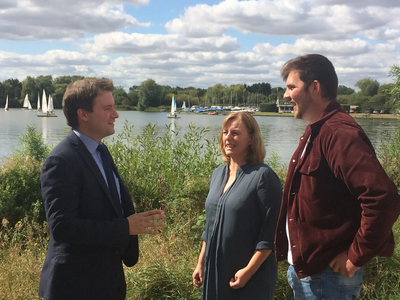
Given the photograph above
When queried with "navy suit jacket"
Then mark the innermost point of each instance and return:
(88, 241)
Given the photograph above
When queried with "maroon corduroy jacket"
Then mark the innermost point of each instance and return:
(336, 197)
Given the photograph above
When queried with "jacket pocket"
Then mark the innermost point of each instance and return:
(310, 166)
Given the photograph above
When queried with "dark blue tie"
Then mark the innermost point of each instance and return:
(107, 165)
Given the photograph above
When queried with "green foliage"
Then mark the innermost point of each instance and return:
(386, 89)
(260, 88)
(150, 94)
(19, 189)
(382, 275)
(395, 91)
(344, 90)
(11, 88)
(120, 96)
(274, 162)
(172, 172)
(276, 93)
(157, 281)
(368, 86)
(346, 107)
(389, 155)
(29, 87)
(358, 99)
(45, 83)
(268, 107)
(164, 170)
(32, 145)
(19, 179)
(379, 102)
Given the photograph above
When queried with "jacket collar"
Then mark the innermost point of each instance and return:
(332, 108)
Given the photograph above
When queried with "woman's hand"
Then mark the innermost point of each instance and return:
(199, 271)
(243, 275)
(241, 278)
(198, 275)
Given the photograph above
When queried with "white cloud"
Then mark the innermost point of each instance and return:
(51, 58)
(64, 19)
(360, 3)
(284, 18)
(118, 42)
(361, 38)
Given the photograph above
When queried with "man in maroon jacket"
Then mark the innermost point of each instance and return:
(338, 204)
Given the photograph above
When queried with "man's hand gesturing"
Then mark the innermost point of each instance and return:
(141, 222)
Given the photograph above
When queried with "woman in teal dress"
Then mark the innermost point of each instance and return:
(236, 260)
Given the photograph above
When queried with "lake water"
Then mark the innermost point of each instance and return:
(281, 134)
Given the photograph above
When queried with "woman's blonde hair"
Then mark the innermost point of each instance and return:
(257, 150)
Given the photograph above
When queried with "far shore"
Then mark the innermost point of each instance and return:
(354, 115)
(259, 113)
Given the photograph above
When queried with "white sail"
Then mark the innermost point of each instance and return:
(184, 105)
(38, 103)
(6, 106)
(50, 108)
(44, 102)
(26, 101)
(173, 105)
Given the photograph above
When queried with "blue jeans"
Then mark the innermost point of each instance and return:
(327, 285)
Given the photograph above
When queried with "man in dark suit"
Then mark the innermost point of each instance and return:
(92, 221)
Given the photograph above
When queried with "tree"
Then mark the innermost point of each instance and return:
(29, 87)
(368, 86)
(60, 85)
(149, 94)
(215, 94)
(380, 102)
(67, 79)
(12, 88)
(276, 93)
(386, 88)
(344, 90)
(344, 99)
(395, 92)
(120, 96)
(260, 88)
(133, 95)
(59, 90)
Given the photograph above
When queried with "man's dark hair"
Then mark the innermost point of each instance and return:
(314, 67)
(80, 95)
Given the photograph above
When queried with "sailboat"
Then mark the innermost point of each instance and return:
(27, 104)
(44, 102)
(184, 106)
(173, 109)
(50, 106)
(47, 110)
(6, 106)
(38, 109)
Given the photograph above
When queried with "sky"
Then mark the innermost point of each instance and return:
(196, 43)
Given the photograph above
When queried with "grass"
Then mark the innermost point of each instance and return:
(172, 172)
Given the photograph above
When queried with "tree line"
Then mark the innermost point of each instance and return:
(147, 94)
(150, 94)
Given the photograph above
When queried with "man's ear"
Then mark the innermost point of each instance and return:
(315, 87)
(82, 114)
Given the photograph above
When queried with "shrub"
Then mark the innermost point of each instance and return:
(168, 172)
(19, 179)
(268, 107)
(389, 155)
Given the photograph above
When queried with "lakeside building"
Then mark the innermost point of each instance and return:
(284, 108)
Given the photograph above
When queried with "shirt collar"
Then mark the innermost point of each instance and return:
(90, 143)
